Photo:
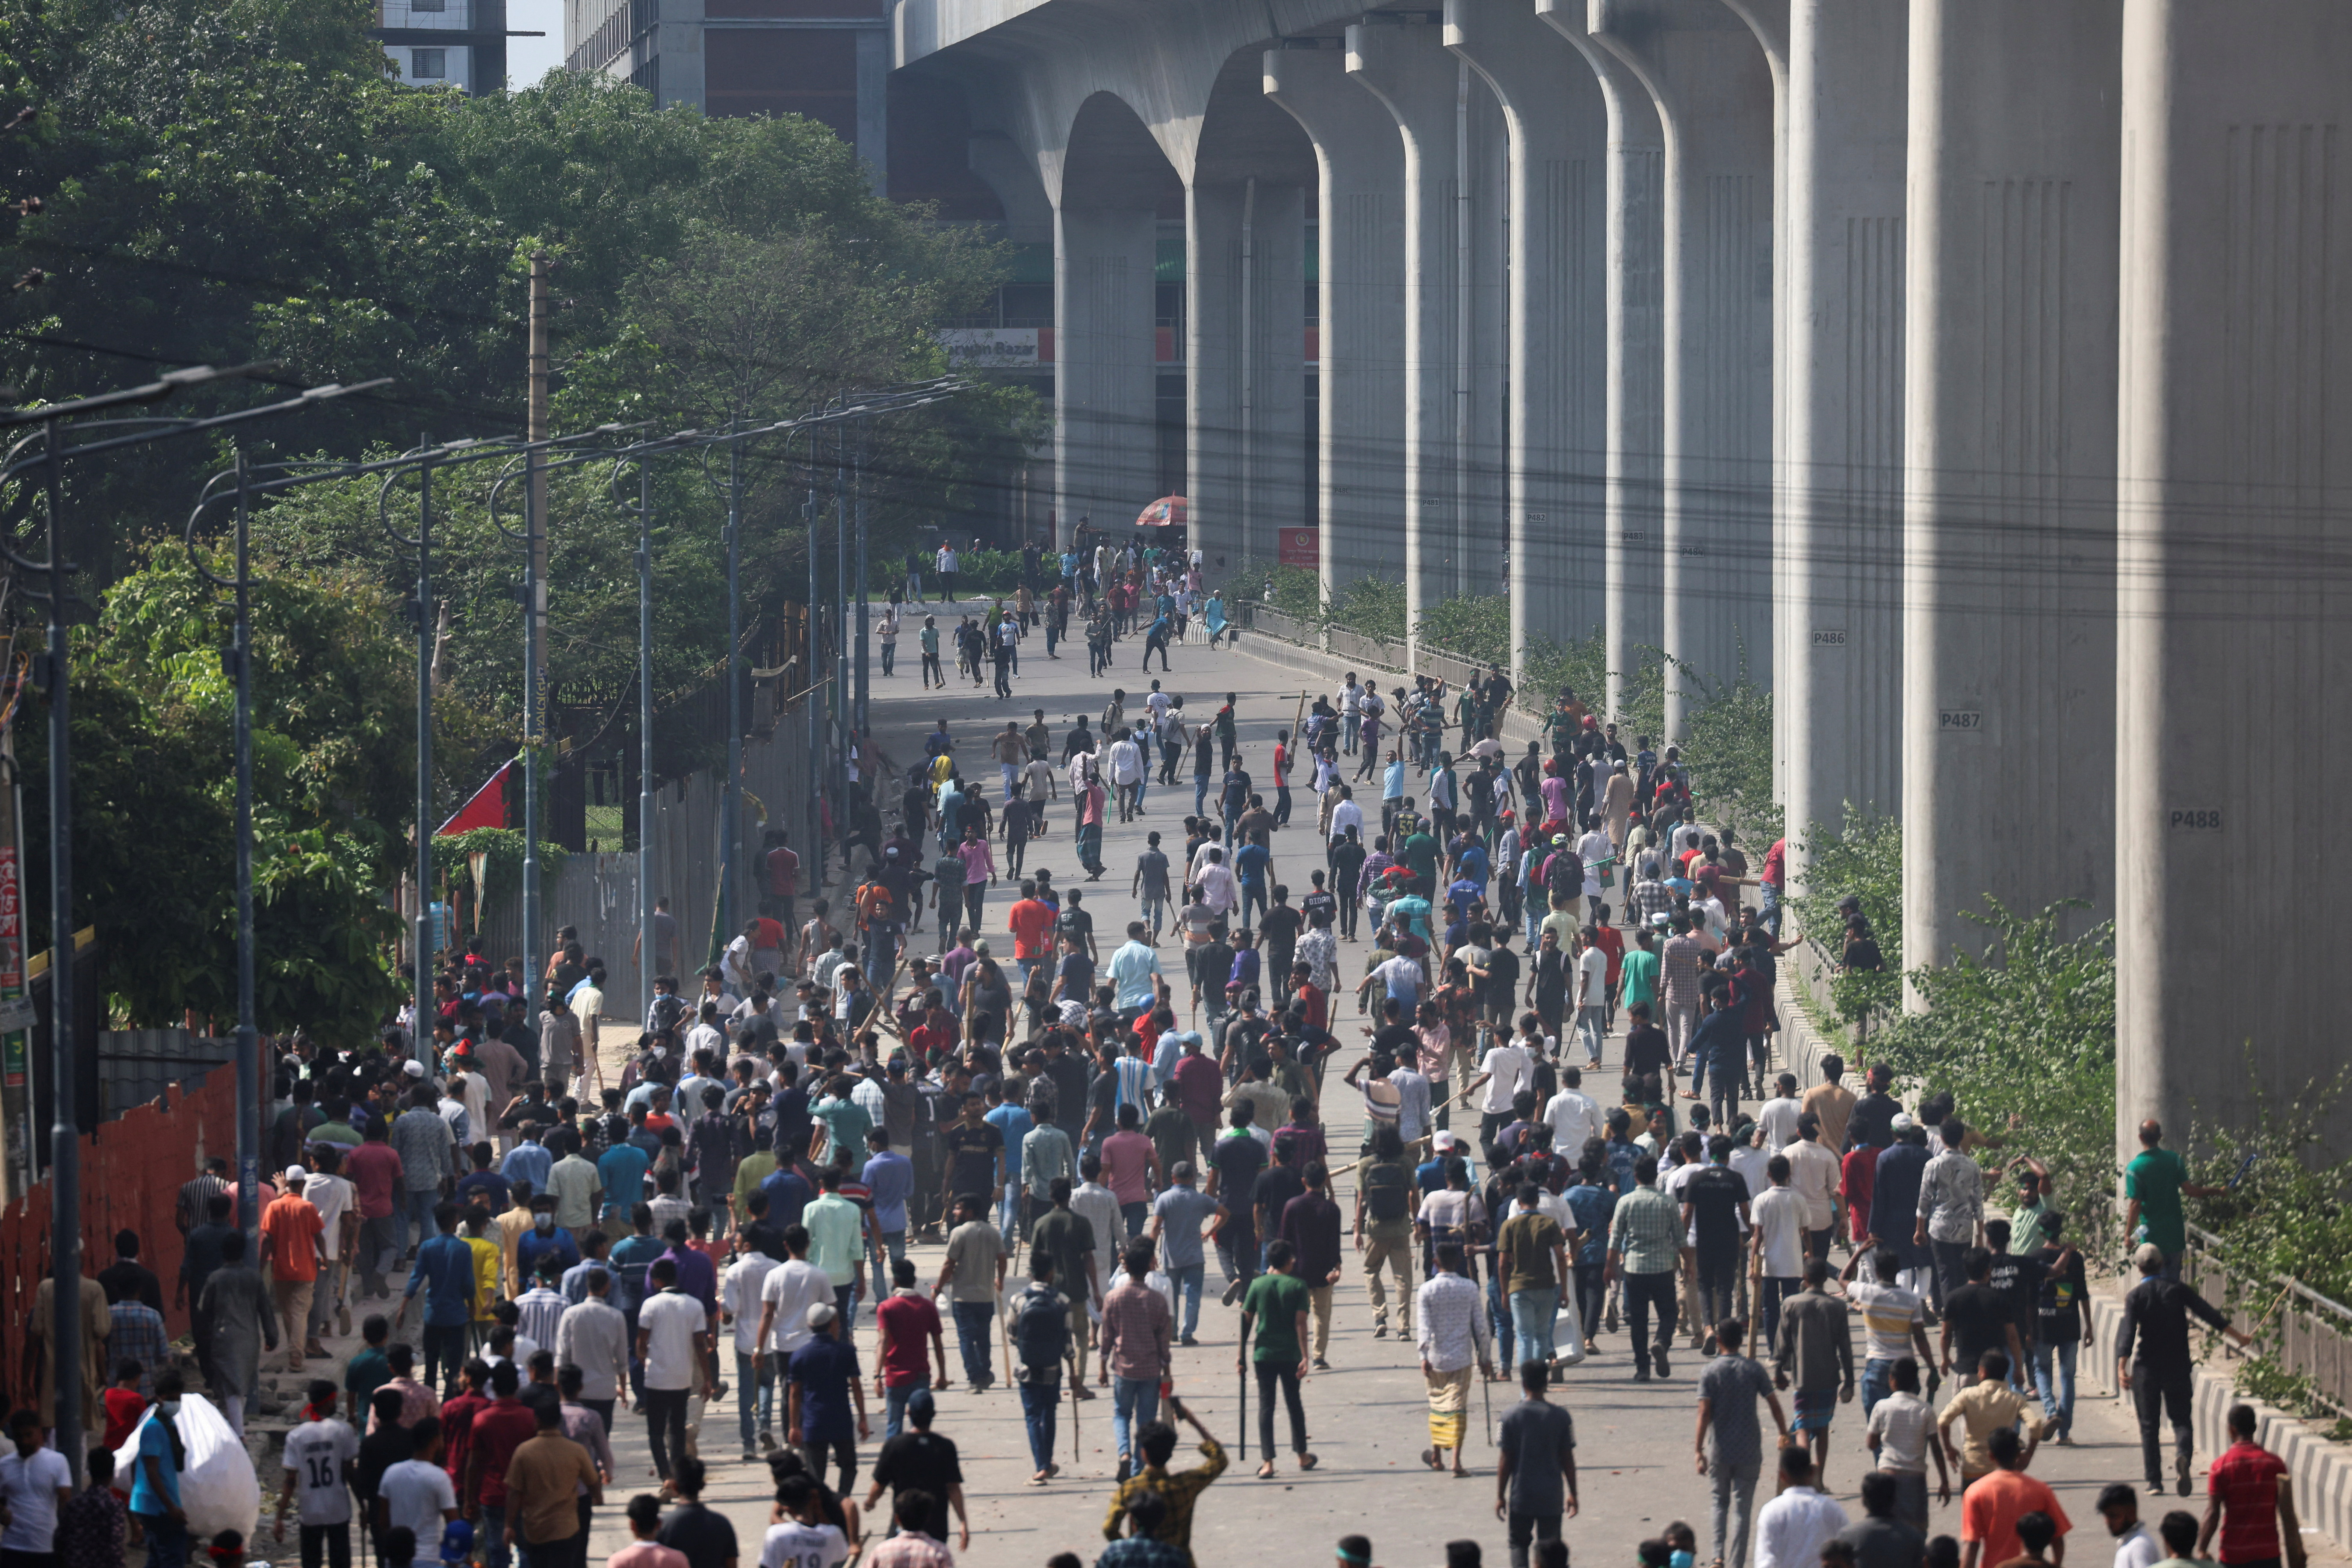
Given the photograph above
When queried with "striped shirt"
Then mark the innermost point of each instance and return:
(138, 1335)
(1450, 1329)
(1678, 969)
(1649, 898)
(1647, 1231)
(195, 1197)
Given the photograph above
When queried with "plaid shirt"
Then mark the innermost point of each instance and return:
(910, 1549)
(1135, 1330)
(1647, 1231)
(138, 1336)
(1179, 1493)
(1452, 1332)
(1649, 898)
(1678, 969)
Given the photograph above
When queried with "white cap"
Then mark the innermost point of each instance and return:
(413, 1068)
(297, 1173)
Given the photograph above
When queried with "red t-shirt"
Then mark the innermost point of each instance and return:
(458, 1432)
(1031, 920)
(292, 1227)
(503, 1425)
(123, 1408)
(374, 1171)
(912, 1320)
(1776, 864)
(2244, 1481)
(1614, 944)
(768, 935)
(1859, 1176)
(784, 873)
(1993, 1505)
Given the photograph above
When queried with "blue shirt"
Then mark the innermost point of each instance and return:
(556, 1244)
(1250, 862)
(1472, 865)
(1132, 969)
(1415, 911)
(823, 1369)
(621, 1172)
(155, 1443)
(527, 1162)
(1012, 1121)
(445, 1265)
(1392, 781)
(1592, 1205)
(890, 1179)
(789, 1194)
(490, 1184)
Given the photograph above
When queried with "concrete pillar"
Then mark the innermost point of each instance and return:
(1713, 89)
(1245, 404)
(1361, 313)
(1406, 67)
(1634, 309)
(1840, 673)
(2009, 438)
(1106, 420)
(2232, 639)
(1557, 133)
(874, 106)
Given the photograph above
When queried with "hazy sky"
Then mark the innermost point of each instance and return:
(528, 59)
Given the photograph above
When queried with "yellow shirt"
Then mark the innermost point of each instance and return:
(1982, 1406)
(511, 1225)
(487, 1261)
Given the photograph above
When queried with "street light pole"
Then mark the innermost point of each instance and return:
(421, 1048)
(534, 614)
(864, 450)
(648, 946)
(65, 1124)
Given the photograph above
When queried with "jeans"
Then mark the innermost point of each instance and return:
(1012, 1214)
(755, 1398)
(445, 1354)
(2159, 1392)
(1283, 1375)
(1040, 1402)
(1718, 1278)
(1253, 898)
(1592, 1297)
(2055, 1383)
(894, 1404)
(1186, 1280)
(1134, 1405)
(1135, 1215)
(1532, 1311)
(842, 1451)
(1771, 1290)
(1643, 1292)
(1524, 1529)
(493, 1539)
(1734, 1498)
(1155, 912)
(974, 895)
(1951, 1269)
(1592, 1028)
(1878, 1382)
(975, 1324)
(327, 1543)
(419, 1204)
(167, 1541)
(665, 1425)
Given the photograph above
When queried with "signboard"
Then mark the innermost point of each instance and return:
(987, 348)
(1300, 547)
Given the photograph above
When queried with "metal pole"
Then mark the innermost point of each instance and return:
(423, 1048)
(534, 610)
(729, 857)
(64, 1130)
(248, 1038)
(651, 959)
(815, 690)
(864, 450)
(842, 716)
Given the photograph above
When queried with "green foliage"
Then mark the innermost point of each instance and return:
(2025, 1039)
(1370, 607)
(1863, 859)
(154, 862)
(1474, 627)
(2284, 1215)
(1729, 749)
(1579, 666)
(502, 874)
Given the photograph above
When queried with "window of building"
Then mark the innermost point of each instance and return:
(428, 65)
(428, 4)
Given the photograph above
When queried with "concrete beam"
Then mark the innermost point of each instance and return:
(1713, 89)
(1634, 348)
(2010, 451)
(1840, 671)
(2233, 636)
(1245, 404)
(1557, 130)
(1361, 313)
(1451, 432)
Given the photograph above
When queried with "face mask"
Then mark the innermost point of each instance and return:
(170, 1407)
(1679, 1560)
(543, 1221)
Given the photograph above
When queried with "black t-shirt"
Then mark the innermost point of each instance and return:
(917, 1460)
(1238, 1162)
(1979, 1317)
(2063, 1288)
(1151, 872)
(1279, 925)
(1321, 901)
(1714, 1196)
(971, 1156)
(1502, 980)
(1276, 1187)
(1551, 975)
(1397, 1040)
(1074, 922)
(706, 1538)
(1647, 1052)
(2019, 1279)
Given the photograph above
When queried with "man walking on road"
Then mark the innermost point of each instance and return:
(1535, 1472)
(2152, 1356)
(2250, 1502)
(1816, 1345)
(1728, 1391)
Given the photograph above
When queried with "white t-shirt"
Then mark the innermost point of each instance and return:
(317, 1454)
(30, 1487)
(793, 1288)
(1157, 702)
(1779, 1216)
(1126, 761)
(2137, 1548)
(417, 1491)
(739, 1296)
(798, 1545)
(1593, 848)
(1510, 1070)
(1593, 978)
(1778, 1118)
(670, 1319)
(331, 1196)
(1574, 1118)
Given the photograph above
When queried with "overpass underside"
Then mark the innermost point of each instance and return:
(1975, 367)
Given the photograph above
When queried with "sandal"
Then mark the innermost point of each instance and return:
(1429, 1458)
(1266, 1472)
(1308, 1461)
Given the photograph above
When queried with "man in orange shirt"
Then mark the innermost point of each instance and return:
(292, 1247)
(1032, 919)
(1993, 1504)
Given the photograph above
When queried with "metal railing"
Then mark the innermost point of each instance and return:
(2303, 1333)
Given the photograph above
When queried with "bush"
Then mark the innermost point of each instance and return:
(2025, 1040)
(1865, 859)
(1729, 749)
(1475, 627)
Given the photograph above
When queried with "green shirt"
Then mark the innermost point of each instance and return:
(366, 1371)
(1278, 1300)
(2156, 1178)
(931, 639)
(1421, 853)
(2025, 1228)
(1639, 971)
(846, 1124)
(836, 1228)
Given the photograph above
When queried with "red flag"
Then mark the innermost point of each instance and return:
(487, 809)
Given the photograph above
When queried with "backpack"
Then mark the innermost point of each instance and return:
(1387, 1194)
(1564, 877)
(1040, 1328)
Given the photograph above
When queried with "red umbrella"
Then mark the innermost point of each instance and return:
(1168, 512)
